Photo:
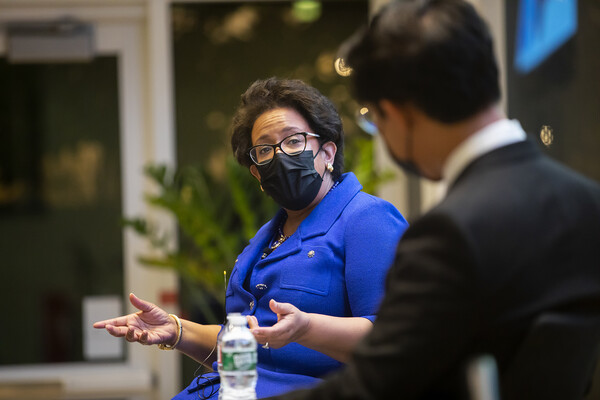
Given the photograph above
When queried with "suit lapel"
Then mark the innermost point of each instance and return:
(506, 155)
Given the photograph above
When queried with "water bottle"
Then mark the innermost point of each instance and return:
(237, 360)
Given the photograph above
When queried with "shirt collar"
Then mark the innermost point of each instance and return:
(493, 136)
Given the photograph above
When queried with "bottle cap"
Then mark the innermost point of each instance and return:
(237, 319)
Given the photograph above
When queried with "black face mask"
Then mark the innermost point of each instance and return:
(408, 166)
(291, 181)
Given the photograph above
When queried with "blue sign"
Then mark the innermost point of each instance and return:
(542, 27)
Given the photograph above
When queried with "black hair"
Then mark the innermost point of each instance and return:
(435, 54)
(268, 94)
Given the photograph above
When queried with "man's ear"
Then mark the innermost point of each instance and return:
(254, 172)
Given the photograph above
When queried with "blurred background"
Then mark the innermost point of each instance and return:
(116, 173)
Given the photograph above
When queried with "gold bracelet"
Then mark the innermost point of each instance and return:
(163, 346)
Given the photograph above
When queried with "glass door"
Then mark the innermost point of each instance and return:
(74, 138)
(60, 203)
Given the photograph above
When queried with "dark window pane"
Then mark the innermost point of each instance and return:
(60, 203)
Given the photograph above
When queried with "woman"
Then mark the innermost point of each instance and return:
(311, 279)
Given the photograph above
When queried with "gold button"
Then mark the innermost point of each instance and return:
(311, 254)
(251, 304)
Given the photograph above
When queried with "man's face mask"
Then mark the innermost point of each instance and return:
(292, 181)
(365, 118)
(410, 167)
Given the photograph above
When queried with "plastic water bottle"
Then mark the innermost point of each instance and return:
(237, 360)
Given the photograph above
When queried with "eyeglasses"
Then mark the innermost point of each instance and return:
(365, 120)
(292, 145)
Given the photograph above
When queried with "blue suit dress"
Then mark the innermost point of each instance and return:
(334, 264)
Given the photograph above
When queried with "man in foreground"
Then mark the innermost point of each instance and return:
(516, 236)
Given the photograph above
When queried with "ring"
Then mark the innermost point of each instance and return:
(266, 345)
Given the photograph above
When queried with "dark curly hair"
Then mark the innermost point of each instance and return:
(268, 94)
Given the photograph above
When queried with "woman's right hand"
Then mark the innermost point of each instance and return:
(292, 324)
(151, 325)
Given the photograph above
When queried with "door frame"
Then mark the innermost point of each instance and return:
(138, 32)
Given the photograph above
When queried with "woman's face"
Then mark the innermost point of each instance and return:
(274, 125)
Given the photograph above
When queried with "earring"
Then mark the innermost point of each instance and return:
(261, 189)
(329, 167)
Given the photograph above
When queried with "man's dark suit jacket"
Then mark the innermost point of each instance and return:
(517, 234)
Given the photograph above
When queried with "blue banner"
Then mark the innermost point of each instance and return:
(542, 27)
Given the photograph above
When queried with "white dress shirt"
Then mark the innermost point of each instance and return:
(493, 136)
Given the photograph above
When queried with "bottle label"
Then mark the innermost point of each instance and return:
(238, 361)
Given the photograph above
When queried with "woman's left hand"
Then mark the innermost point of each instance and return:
(291, 325)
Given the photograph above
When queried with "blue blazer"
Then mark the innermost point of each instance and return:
(334, 264)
